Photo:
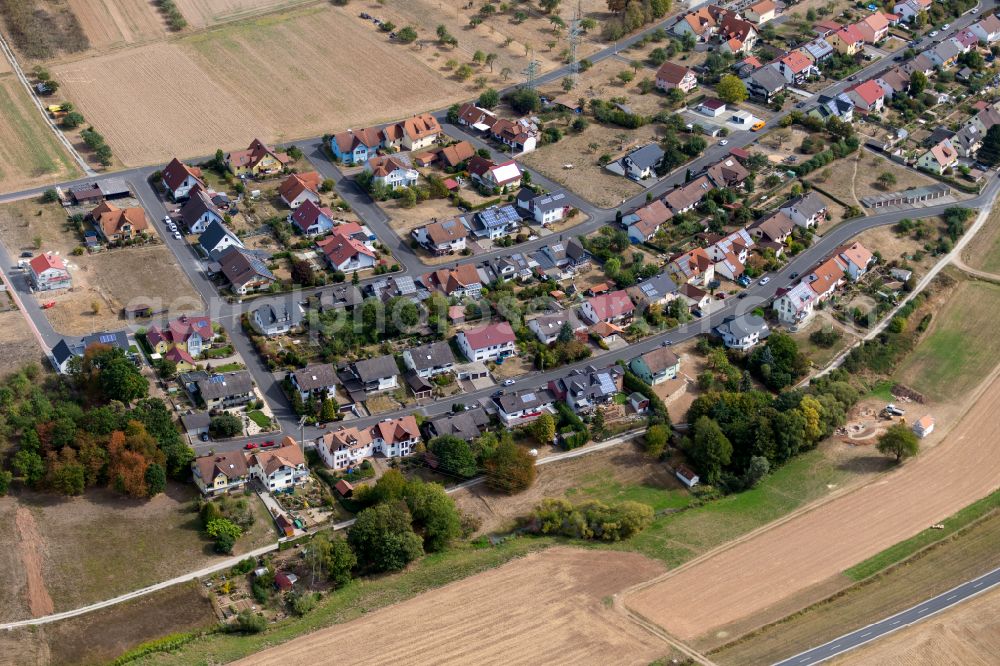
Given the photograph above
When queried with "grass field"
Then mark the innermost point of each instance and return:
(984, 254)
(856, 177)
(30, 154)
(17, 343)
(959, 556)
(961, 346)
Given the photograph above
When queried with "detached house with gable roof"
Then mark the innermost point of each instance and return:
(794, 306)
(868, 96)
(796, 67)
(115, 224)
(245, 271)
(48, 272)
(311, 219)
(495, 176)
(693, 267)
(344, 251)
(847, 40)
(193, 334)
(546, 209)
(279, 469)
(941, 157)
(640, 164)
(446, 237)
(257, 160)
(356, 147)
(874, 27)
(178, 179)
(585, 389)
(645, 222)
(370, 376)
(318, 381)
(613, 308)
(220, 473)
(490, 342)
(299, 188)
(346, 447)
(807, 210)
(657, 366)
(731, 253)
(671, 75)
(217, 238)
(199, 211)
(418, 132)
(430, 360)
(392, 171)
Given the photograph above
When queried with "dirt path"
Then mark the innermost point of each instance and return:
(740, 583)
(959, 261)
(552, 607)
(30, 546)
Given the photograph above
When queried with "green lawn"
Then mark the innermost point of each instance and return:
(260, 418)
(904, 549)
(218, 352)
(882, 391)
(30, 150)
(228, 367)
(961, 347)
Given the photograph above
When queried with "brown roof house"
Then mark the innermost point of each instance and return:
(220, 473)
(116, 225)
(257, 160)
(671, 75)
(279, 469)
(299, 188)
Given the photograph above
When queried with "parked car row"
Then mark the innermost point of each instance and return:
(250, 446)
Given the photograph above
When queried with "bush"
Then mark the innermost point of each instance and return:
(226, 425)
(248, 622)
(589, 520)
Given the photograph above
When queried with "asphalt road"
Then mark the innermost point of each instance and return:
(912, 615)
(228, 313)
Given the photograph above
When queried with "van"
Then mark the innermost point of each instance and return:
(757, 126)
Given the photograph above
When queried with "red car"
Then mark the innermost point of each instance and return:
(250, 446)
(268, 443)
(50, 304)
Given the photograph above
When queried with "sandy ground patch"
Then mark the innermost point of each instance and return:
(30, 546)
(30, 154)
(744, 580)
(545, 608)
(625, 464)
(963, 635)
(276, 77)
(114, 23)
(17, 343)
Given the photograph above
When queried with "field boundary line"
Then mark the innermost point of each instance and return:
(38, 105)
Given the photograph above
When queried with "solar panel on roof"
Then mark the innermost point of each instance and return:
(528, 397)
(108, 338)
(607, 385)
(216, 379)
(648, 289)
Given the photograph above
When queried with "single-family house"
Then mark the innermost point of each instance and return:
(695, 298)
(584, 389)
(735, 35)
(549, 326)
(494, 176)
(856, 259)
(807, 210)
(182, 360)
(220, 473)
(48, 272)
(867, 96)
(245, 271)
(764, 83)
(431, 359)
(671, 75)
(495, 222)
(640, 164)
(656, 366)
(344, 252)
(392, 171)
(340, 297)
(226, 390)
(193, 334)
(657, 290)
(614, 308)
(489, 342)
(775, 228)
(419, 131)
(257, 160)
(546, 209)
(848, 40)
(445, 237)
(178, 179)
(794, 305)
(727, 173)
(987, 30)
(60, 356)
(458, 282)
(731, 253)
(279, 469)
(944, 54)
(761, 12)
(311, 219)
(456, 154)
(907, 10)
(521, 135)
(272, 319)
(523, 406)
(115, 225)
(694, 267)
(645, 222)
(685, 197)
(840, 107)
(818, 50)
(797, 67)
(471, 115)
(941, 157)
(742, 332)
(874, 27)
(356, 147)
(199, 211)
(299, 188)
(217, 238)
(826, 277)
(702, 23)
(318, 381)
(467, 425)
(372, 375)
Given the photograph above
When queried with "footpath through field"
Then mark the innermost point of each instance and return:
(742, 581)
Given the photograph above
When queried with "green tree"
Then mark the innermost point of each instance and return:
(434, 513)
(899, 441)
(989, 153)
(464, 72)
(510, 468)
(119, 379)
(656, 439)
(226, 425)
(29, 466)
(334, 557)
(156, 479)
(887, 179)
(407, 35)
(225, 532)
(489, 98)
(710, 449)
(454, 455)
(5, 479)
(918, 83)
(730, 89)
(328, 410)
(248, 622)
(383, 537)
(544, 429)
(525, 100)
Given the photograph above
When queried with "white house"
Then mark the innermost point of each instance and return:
(178, 179)
(48, 272)
(279, 469)
(806, 211)
(311, 219)
(318, 381)
(523, 406)
(217, 238)
(641, 163)
(446, 237)
(392, 171)
(671, 75)
(347, 447)
(795, 306)
(199, 211)
(430, 360)
(614, 308)
(346, 252)
(742, 332)
(546, 209)
(487, 343)
(299, 188)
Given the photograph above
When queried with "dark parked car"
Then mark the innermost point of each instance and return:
(793, 276)
(27, 254)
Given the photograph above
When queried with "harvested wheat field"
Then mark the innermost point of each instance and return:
(743, 583)
(547, 608)
(111, 24)
(965, 635)
(202, 13)
(278, 77)
(30, 154)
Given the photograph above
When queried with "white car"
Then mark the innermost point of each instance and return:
(946, 26)
(177, 235)
(765, 280)
(166, 218)
(508, 382)
(724, 142)
(934, 33)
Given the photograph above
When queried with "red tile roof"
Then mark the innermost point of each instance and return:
(490, 335)
(610, 305)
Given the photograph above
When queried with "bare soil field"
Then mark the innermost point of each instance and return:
(102, 635)
(941, 567)
(747, 580)
(547, 607)
(276, 77)
(202, 13)
(620, 466)
(30, 154)
(964, 635)
(100, 545)
(17, 344)
(111, 24)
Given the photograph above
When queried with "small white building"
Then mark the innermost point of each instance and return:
(924, 426)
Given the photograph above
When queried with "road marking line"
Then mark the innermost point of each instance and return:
(979, 584)
(804, 660)
(951, 597)
(895, 622)
(922, 610)
(834, 647)
(867, 633)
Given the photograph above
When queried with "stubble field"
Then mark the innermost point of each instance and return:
(277, 77)
(111, 24)
(202, 13)
(550, 607)
(745, 584)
